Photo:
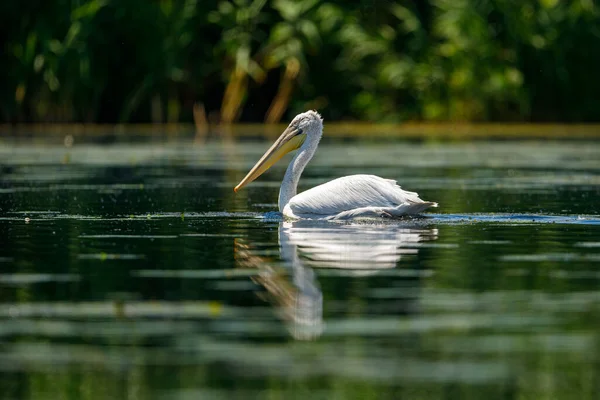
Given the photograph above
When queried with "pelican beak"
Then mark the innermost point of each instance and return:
(290, 140)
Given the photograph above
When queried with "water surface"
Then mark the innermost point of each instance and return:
(131, 270)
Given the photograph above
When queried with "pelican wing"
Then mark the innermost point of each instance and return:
(355, 196)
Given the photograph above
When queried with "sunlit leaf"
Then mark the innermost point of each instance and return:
(256, 7)
(88, 9)
(410, 22)
(38, 63)
(310, 31)
(72, 34)
(55, 46)
(281, 32)
(51, 80)
(289, 10)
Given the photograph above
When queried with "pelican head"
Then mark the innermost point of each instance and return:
(308, 125)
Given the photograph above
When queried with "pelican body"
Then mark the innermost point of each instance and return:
(354, 196)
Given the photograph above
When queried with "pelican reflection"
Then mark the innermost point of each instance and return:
(305, 246)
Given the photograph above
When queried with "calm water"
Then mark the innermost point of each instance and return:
(132, 271)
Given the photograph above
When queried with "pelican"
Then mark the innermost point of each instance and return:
(354, 196)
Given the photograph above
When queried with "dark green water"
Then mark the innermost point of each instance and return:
(132, 271)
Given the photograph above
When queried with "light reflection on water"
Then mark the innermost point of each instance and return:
(132, 270)
(361, 249)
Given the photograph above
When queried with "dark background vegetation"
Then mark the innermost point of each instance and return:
(117, 61)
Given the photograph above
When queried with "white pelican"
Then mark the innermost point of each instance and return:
(348, 197)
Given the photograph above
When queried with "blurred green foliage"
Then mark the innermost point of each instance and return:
(253, 60)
